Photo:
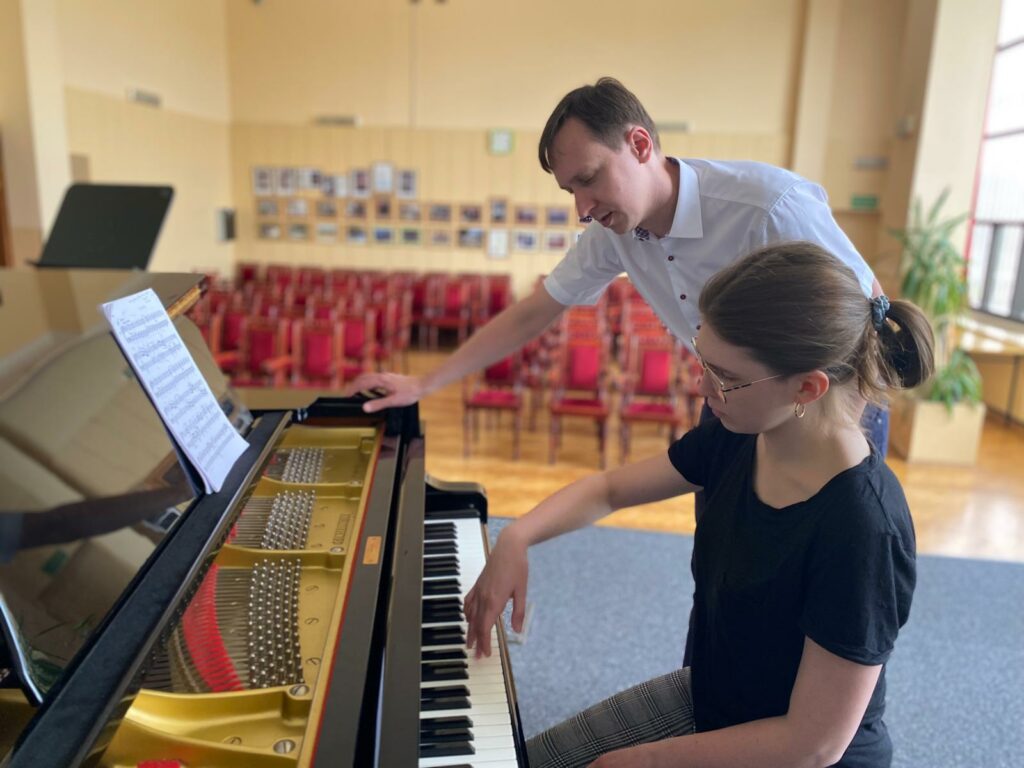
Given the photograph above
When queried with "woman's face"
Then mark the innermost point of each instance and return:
(756, 398)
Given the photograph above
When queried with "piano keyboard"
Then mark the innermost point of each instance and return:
(464, 703)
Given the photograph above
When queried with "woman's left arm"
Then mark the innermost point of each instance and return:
(827, 704)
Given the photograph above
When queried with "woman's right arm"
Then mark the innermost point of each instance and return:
(575, 506)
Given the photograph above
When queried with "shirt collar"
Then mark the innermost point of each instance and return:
(687, 221)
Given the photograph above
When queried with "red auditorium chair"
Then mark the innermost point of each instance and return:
(499, 389)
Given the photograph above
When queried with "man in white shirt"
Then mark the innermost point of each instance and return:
(667, 223)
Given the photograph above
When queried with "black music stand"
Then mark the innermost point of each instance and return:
(106, 226)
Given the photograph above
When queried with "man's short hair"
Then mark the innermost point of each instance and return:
(606, 108)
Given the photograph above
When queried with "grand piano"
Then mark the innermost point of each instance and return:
(307, 614)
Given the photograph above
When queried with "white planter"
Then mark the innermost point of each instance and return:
(922, 431)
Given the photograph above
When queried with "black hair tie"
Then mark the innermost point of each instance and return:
(879, 310)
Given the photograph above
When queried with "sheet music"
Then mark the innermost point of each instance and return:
(162, 362)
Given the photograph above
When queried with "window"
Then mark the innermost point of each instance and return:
(995, 275)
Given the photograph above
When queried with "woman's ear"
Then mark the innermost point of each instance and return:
(813, 386)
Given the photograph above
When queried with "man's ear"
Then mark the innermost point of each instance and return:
(813, 386)
(640, 143)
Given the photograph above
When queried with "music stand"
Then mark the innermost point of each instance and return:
(106, 226)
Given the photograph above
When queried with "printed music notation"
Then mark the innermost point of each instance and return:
(162, 362)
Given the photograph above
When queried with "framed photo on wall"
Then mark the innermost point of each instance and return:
(360, 186)
(287, 181)
(409, 211)
(269, 230)
(298, 231)
(340, 185)
(471, 237)
(262, 181)
(440, 213)
(383, 235)
(556, 240)
(266, 207)
(297, 206)
(326, 209)
(383, 177)
(526, 240)
(407, 184)
(356, 235)
(309, 178)
(440, 238)
(409, 236)
(526, 215)
(498, 210)
(355, 209)
(382, 207)
(470, 213)
(556, 216)
(497, 243)
(326, 232)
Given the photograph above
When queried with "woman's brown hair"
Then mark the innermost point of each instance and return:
(607, 108)
(796, 308)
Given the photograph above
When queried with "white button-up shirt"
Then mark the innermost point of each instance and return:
(724, 211)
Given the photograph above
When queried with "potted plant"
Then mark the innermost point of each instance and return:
(942, 420)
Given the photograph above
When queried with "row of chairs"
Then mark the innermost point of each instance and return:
(657, 379)
(261, 332)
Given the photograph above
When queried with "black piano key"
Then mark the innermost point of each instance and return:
(451, 721)
(445, 735)
(439, 570)
(442, 691)
(448, 703)
(439, 533)
(439, 548)
(430, 673)
(447, 750)
(442, 587)
(442, 636)
(444, 602)
(447, 654)
(440, 560)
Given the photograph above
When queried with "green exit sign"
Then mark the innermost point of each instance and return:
(864, 202)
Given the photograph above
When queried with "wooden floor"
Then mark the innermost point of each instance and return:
(968, 512)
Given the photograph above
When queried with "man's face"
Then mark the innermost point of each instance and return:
(607, 183)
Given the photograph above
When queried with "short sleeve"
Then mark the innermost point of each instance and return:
(694, 454)
(861, 578)
(586, 270)
(803, 213)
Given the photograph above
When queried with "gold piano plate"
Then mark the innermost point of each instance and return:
(249, 729)
(322, 455)
(236, 683)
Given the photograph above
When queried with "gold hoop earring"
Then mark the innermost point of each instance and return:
(799, 409)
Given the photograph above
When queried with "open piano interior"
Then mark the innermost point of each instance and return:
(307, 614)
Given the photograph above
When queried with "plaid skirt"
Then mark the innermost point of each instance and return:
(658, 709)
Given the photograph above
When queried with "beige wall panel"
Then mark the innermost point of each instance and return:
(291, 61)
(725, 66)
(19, 158)
(129, 143)
(176, 49)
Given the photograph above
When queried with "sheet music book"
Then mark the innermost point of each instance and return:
(162, 362)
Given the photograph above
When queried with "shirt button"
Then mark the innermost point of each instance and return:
(682, 296)
(671, 258)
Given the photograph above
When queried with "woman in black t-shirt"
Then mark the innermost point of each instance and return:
(804, 558)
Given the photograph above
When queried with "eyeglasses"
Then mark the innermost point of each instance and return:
(719, 385)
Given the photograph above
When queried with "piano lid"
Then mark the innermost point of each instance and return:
(90, 482)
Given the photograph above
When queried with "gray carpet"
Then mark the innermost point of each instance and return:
(609, 609)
